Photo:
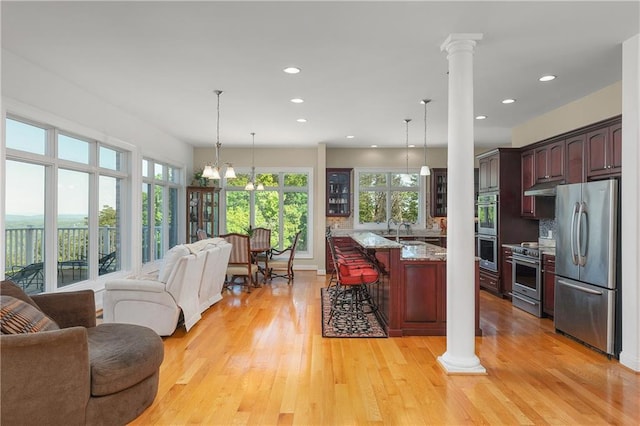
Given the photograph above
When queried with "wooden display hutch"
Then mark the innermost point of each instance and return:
(203, 211)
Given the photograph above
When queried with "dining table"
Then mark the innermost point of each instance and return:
(257, 247)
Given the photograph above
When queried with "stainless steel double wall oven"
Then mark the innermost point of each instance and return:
(488, 230)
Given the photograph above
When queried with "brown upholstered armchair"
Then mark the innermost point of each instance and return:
(80, 373)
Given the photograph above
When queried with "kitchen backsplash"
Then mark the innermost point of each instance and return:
(545, 226)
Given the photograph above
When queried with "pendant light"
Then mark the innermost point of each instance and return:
(250, 185)
(213, 172)
(406, 121)
(425, 170)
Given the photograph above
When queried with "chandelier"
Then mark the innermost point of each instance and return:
(251, 185)
(213, 171)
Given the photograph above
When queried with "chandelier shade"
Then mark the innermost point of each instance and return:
(213, 171)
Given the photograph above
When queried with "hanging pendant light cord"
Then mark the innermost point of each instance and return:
(253, 157)
(425, 102)
(407, 120)
(218, 92)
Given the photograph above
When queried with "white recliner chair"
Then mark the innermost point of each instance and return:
(188, 282)
(215, 268)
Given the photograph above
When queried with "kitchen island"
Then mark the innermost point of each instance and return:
(412, 291)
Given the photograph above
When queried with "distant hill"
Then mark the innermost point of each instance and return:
(13, 221)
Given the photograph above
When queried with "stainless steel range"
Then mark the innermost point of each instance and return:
(527, 278)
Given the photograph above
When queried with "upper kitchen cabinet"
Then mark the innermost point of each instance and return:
(338, 192)
(549, 162)
(575, 158)
(489, 171)
(528, 179)
(604, 151)
(438, 192)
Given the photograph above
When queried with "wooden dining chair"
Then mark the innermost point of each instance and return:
(261, 238)
(283, 268)
(241, 264)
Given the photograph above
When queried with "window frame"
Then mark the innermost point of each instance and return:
(281, 189)
(52, 164)
(149, 178)
(389, 189)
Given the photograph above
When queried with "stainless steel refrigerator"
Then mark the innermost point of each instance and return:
(586, 286)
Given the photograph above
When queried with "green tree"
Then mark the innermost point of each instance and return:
(107, 216)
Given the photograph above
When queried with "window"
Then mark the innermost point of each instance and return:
(386, 195)
(160, 209)
(65, 232)
(284, 206)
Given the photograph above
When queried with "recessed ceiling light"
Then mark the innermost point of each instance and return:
(350, 137)
(301, 120)
(292, 70)
(508, 101)
(374, 146)
(547, 78)
(297, 100)
(480, 117)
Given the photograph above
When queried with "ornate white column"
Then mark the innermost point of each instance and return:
(460, 357)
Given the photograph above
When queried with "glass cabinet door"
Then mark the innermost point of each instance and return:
(202, 212)
(338, 192)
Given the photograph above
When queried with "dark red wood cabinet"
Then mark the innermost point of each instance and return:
(527, 203)
(549, 162)
(489, 174)
(548, 283)
(604, 151)
(575, 153)
(489, 281)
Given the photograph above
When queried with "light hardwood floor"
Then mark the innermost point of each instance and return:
(260, 359)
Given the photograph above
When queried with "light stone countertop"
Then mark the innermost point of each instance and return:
(410, 251)
(422, 232)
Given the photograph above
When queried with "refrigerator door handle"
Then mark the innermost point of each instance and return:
(572, 237)
(577, 287)
(582, 212)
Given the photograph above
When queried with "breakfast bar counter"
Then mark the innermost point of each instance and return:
(412, 290)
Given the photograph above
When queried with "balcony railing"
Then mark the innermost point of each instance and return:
(24, 246)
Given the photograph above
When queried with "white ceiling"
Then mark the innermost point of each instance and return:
(365, 65)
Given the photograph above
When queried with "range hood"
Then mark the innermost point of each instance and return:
(543, 189)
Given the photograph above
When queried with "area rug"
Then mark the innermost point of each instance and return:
(341, 325)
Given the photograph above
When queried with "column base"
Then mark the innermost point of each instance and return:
(461, 366)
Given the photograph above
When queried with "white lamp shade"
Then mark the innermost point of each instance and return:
(230, 173)
(425, 171)
(216, 173)
(249, 186)
(260, 186)
(207, 172)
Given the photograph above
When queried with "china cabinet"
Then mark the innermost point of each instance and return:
(202, 211)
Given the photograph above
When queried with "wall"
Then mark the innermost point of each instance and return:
(51, 94)
(600, 105)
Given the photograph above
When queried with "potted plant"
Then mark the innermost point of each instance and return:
(198, 179)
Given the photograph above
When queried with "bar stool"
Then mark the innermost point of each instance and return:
(350, 298)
